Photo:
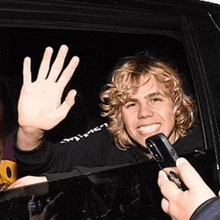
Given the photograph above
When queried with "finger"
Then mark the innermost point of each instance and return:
(67, 104)
(45, 64)
(165, 205)
(167, 187)
(31, 206)
(68, 72)
(27, 70)
(58, 63)
(162, 177)
(188, 174)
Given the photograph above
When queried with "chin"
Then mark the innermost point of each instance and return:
(142, 142)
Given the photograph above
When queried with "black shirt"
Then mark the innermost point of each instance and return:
(93, 149)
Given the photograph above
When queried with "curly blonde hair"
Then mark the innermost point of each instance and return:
(126, 77)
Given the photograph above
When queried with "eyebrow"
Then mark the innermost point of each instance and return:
(153, 94)
(148, 96)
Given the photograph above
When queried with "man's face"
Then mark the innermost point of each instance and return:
(149, 112)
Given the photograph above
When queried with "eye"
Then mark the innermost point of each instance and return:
(156, 99)
(130, 105)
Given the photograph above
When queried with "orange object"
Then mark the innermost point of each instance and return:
(8, 173)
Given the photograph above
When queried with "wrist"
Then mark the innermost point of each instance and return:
(31, 131)
(29, 138)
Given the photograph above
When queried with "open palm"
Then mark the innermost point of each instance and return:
(40, 104)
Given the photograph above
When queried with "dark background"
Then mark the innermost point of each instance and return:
(98, 53)
(99, 32)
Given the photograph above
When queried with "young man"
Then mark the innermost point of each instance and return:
(196, 203)
(143, 98)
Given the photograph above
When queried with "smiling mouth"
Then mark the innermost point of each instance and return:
(149, 128)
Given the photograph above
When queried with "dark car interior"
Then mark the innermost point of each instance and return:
(187, 34)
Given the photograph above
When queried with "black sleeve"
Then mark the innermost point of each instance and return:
(81, 150)
(208, 210)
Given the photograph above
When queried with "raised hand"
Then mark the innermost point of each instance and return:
(40, 108)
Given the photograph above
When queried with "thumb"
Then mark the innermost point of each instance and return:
(70, 98)
(68, 103)
(188, 174)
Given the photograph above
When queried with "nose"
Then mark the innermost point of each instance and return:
(145, 111)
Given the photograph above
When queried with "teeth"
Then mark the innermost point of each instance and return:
(150, 128)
